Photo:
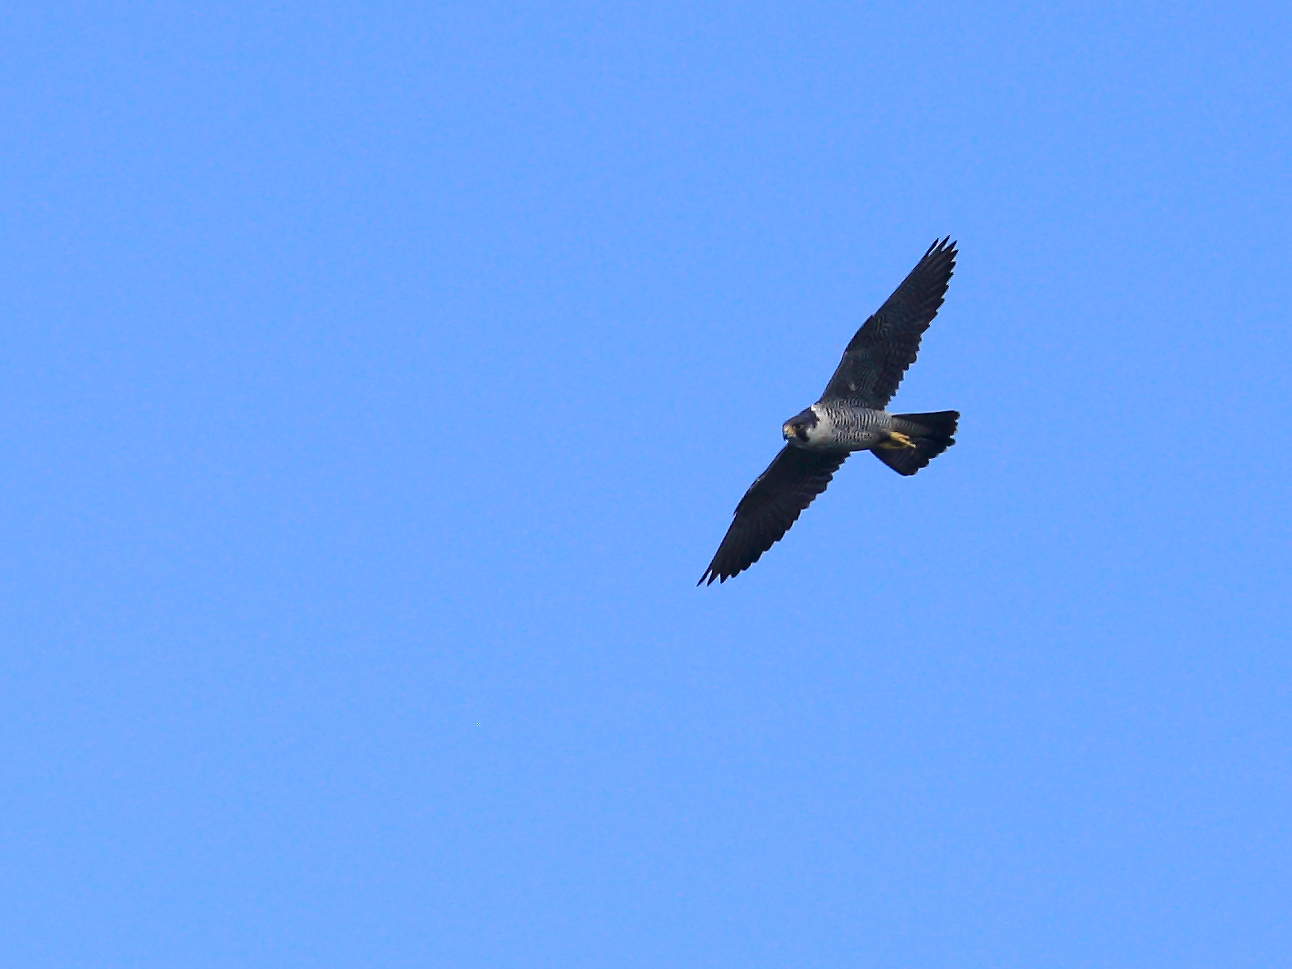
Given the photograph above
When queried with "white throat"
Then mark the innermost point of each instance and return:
(822, 435)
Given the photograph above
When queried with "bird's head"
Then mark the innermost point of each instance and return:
(797, 429)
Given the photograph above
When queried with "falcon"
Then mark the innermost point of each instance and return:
(850, 416)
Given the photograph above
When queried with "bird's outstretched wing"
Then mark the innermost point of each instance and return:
(887, 343)
(770, 506)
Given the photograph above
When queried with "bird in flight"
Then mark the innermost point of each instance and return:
(850, 416)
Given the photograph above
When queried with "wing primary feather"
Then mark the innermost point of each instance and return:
(887, 343)
(771, 505)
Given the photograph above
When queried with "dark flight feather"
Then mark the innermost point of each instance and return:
(930, 433)
(886, 344)
(771, 505)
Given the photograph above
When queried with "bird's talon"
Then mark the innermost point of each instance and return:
(896, 441)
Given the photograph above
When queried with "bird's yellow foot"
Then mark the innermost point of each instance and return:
(896, 441)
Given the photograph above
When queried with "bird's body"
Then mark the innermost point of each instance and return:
(842, 425)
(850, 416)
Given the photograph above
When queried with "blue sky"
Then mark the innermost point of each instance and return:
(378, 379)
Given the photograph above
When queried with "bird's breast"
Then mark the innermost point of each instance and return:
(850, 428)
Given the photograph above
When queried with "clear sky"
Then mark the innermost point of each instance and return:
(377, 380)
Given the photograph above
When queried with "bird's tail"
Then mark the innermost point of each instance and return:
(930, 435)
